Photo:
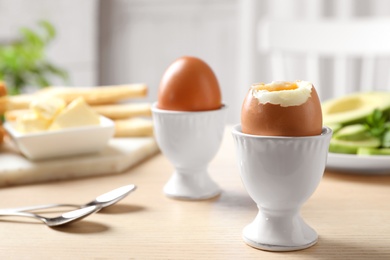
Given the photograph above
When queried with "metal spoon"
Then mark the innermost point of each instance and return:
(65, 218)
(104, 200)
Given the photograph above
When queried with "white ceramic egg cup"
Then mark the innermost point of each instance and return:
(280, 174)
(189, 140)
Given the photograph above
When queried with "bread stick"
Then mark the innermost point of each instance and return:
(133, 127)
(2, 134)
(122, 111)
(3, 104)
(3, 98)
(3, 108)
(93, 96)
(97, 95)
(114, 112)
(20, 101)
(3, 89)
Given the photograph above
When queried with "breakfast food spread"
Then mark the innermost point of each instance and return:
(47, 108)
(52, 114)
(189, 84)
(30, 122)
(35, 111)
(282, 108)
(77, 113)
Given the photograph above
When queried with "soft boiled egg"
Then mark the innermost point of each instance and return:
(189, 84)
(282, 108)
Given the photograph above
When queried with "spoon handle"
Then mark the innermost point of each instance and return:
(65, 218)
(20, 214)
(38, 207)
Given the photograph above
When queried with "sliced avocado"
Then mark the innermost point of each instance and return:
(352, 132)
(335, 127)
(351, 147)
(354, 108)
(373, 151)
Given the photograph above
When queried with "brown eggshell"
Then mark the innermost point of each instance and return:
(189, 84)
(275, 120)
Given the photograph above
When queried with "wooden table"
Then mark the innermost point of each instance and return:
(351, 213)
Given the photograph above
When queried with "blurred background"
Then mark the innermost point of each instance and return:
(133, 41)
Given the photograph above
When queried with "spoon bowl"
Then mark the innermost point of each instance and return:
(109, 198)
(65, 218)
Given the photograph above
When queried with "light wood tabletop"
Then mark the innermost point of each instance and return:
(351, 214)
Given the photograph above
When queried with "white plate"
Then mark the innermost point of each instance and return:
(359, 164)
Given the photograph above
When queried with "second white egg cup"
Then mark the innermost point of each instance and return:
(189, 140)
(280, 174)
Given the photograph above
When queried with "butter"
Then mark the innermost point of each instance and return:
(48, 108)
(30, 122)
(76, 114)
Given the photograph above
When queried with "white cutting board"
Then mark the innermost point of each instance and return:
(119, 155)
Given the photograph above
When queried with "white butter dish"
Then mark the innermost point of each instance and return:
(64, 142)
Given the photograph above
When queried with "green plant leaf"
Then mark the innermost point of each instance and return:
(386, 139)
(57, 71)
(378, 126)
(23, 62)
(42, 81)
(49, 28)
(31, 39)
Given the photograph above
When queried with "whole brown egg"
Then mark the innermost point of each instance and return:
(189, 84)
(282, 109)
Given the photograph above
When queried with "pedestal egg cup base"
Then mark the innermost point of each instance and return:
(196, 186)
(282, 233)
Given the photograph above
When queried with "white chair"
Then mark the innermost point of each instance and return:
(338, 55)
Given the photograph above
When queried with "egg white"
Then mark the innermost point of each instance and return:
(284, 98)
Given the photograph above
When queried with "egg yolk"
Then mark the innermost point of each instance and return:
(276, 86)
(283, 93)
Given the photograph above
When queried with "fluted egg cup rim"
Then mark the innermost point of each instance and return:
(159, 110)
(237, 130)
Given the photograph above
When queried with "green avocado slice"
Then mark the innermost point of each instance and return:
(351, 147)
(373, 151)
(352, 132)
(354, 108)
